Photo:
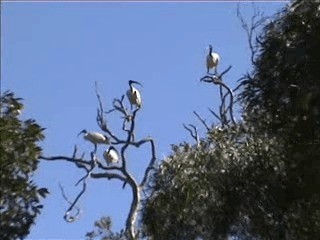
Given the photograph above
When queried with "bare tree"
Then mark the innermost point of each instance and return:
(94, 167)
(225, 115)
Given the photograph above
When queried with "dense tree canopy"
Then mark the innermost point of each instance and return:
(19, 151)
(285, 86)
(259, 179)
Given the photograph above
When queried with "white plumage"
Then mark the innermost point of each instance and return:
(95, 138)
(111, 155)
(133, 95)
(212, 59)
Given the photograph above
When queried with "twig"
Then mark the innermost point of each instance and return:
(252, 29)
(100, 117)
(151, 163)
(202, 121)
(214, 114)
(193, 132)
(109, 176)
(70, 219)
(113, 172)
(67, 216)
(214, 80)
(78, 161)
(74, 151)
(222, 107)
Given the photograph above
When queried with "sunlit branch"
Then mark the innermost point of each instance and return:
(131, 220)
(112, 172)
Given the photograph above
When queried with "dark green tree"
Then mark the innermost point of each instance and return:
(103, 231)
(258, 178)
(285, 89)
(19, 151)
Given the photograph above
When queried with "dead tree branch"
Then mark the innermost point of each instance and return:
(214, 114)
(67, 217)
(217, 80)
(202, 121)
(252, 29)
(193, 132)
(119, 172)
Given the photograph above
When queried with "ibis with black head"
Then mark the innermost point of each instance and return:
(133, 94)
(111, 155)
(212, 59)
(95, 138)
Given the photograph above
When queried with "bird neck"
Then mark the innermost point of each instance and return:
(210, 50)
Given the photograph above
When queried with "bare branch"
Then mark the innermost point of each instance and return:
(92, 166)
(193, 132)
(224, 72)
(112, 172)
(214, 114)
(108, 176)
(100, 116)
(151, 163)
(202, 121)
(251, 29)
(215, 80)
(100, 109)
(100, 165)
(131, 220)
(67, 217)
(222, 107)
(74, 151)
(78, 161)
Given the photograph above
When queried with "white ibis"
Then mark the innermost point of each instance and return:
(212, 59)
(134, 95)
(95, 138)
(111, 155)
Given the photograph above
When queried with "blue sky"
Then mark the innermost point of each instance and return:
(52, 54)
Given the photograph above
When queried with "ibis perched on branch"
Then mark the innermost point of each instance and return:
(95, 138)
(134, 95)
(212, 59)
(111, 155)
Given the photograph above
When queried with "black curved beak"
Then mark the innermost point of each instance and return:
(83, 131)
(131, 81)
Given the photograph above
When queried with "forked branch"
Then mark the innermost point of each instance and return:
(118, 171)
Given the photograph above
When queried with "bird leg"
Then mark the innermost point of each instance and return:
(216, 71)
(95, 148)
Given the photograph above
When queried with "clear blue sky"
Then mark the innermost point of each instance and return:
(52, 53)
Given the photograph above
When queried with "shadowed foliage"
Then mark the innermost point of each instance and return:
(20, 196)
(260, 178)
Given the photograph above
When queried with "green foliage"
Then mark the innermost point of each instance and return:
(285, 82)
(20, 196)
(210, 191)
(103, 231)
(261, 178)
(285, 88)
